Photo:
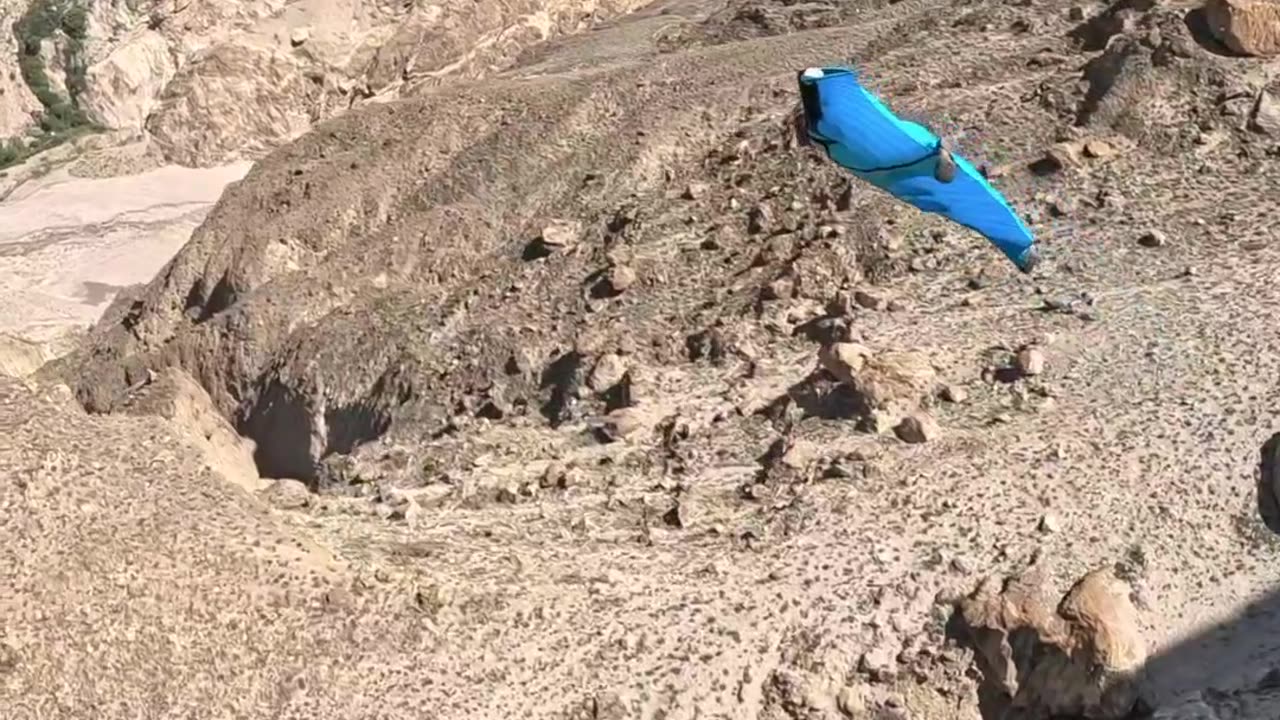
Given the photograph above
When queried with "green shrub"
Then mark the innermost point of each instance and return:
(75, 22)
(62, 117)
(11, 152)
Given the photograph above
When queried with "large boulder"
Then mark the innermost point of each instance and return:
(1249, 27)
(1084, 657)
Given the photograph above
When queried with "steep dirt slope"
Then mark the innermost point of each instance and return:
(548, 346)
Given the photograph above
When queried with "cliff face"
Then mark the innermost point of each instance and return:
(17, 103)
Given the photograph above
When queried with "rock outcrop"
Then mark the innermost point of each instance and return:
(1083, 658)
(233, 101)
(123, 89)
(20, 357)
(18, 104)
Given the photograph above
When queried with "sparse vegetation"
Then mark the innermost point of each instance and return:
(65, 22)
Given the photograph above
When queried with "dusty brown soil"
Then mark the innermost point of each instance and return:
(535, 362)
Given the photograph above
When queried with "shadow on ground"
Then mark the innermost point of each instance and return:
(1234, 666)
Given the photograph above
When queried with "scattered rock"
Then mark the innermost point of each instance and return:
(1061, 207)
(1098, 149)
(1060, 156)
(397, 505)
(878, 422)
(513, 493)
(760, 219)
(1265, 117)
(898, 379)
(695, 191)
(1049, 523)
(843, 359)
(679, 515)
(840, 305)
(1072, 153)
(1249, 27)
(299, 36)
(869, 300)
(620, 278)
(779, 289)
(1030, 361)
(560, 234)
(609, 370)
(953, 393)
(557, 236)
(8, 659)
(1268, 483)
(1153, 239)
(609, 705)
(851, 701)
(799, 455)
(621, 424)
(557, 475)
(880, 663)
(287, 494)
(917, 428)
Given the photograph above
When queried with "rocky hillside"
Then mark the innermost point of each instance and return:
(581, 391)
(215, 81)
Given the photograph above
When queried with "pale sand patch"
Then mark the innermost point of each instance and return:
(68, 245)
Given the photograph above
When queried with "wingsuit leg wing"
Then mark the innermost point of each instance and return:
(905, 159)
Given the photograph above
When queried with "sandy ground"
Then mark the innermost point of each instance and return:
(67, 244)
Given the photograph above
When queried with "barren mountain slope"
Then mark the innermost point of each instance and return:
(548, 348)
(214, 81)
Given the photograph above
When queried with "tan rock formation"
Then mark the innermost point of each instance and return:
(1084, 658)
(125, 87)
(232, 101)
(173, 395)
